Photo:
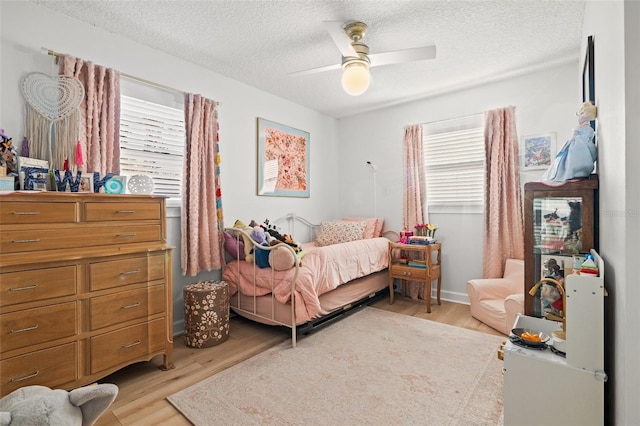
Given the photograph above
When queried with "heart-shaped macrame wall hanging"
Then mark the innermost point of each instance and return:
(53, 97)
(53, 100)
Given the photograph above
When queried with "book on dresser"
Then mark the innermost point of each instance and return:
(85, 287)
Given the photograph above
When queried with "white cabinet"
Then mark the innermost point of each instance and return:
(542, 387)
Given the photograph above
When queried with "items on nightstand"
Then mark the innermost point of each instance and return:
(416, 262)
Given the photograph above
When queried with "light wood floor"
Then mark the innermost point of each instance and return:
(143, 387)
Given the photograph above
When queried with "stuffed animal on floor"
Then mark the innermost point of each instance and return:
(40, 405)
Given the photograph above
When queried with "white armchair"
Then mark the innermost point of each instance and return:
(497, 301)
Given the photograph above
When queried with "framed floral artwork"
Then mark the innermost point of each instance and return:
(538, 151)
(283, 160)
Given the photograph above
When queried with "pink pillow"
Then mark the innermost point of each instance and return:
(379, 228)
(340, 231)
(371, 229)
(233, 246)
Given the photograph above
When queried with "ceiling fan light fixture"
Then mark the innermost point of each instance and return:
(356, 77)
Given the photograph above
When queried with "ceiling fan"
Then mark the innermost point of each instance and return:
(356, 59)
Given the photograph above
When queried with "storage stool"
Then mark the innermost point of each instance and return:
(206, 313)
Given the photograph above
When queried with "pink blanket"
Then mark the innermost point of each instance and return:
(323, 269)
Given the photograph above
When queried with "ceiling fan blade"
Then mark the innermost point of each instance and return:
(400, 56)
(336, 31)
(315, 70)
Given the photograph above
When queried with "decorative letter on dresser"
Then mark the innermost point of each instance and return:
(85, 287)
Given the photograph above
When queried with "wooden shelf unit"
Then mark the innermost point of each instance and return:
(537, 196)
(405, 272)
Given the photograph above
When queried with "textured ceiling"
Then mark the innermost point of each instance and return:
(259, 42)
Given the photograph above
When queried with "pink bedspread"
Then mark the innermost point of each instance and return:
(323, 269)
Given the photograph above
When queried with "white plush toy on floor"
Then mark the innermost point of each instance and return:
(40, 405)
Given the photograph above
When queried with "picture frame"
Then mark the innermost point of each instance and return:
(115, 185)
(43, 174)
(589, 83)
(538, 151)
(283, 160)
(588, 77)
(86, 184)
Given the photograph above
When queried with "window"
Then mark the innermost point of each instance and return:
(152, 136)
(454, 165)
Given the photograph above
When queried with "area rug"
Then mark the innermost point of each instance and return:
(372, 367)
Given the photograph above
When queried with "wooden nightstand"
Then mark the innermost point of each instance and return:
(404, 271)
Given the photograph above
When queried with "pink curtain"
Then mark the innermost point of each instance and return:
(504, 227)
(99, 131)
(201, 210)
(414, 192)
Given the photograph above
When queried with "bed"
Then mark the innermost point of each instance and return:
(326, 280)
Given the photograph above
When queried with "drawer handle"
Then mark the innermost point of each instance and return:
(125, 211)
(135, 271)
(135, 305)
(29, 287)
(35, 240)
(25, 213)
(24, 329)
(130, 345)
(30, 376)
(127, 234)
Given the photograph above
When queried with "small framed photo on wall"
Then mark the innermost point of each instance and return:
(538, 151)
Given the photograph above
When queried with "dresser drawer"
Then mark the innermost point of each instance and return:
(122, 234)
(50, 367)
(408, 273)
(37, 284)
(97, 212)
(15, 212)
(123, 346)
(126, 305)
(117, 273)
(33, 326)
(84, 236)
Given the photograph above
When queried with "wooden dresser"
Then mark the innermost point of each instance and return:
(85, 287)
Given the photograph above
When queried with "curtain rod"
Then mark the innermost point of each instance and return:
(132, 77)
(454, 118)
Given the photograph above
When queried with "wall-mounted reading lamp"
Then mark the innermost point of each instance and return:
(374, 169)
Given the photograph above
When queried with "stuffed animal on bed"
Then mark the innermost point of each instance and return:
(40, 405)
(248, 245)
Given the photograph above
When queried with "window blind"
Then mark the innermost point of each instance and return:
(454, 164)
(152, 143)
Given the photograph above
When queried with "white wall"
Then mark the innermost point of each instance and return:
(545, 101)
(615, 28)
(26, 28)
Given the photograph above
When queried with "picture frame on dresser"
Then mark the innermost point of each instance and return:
(85, 184)
(42, 179)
